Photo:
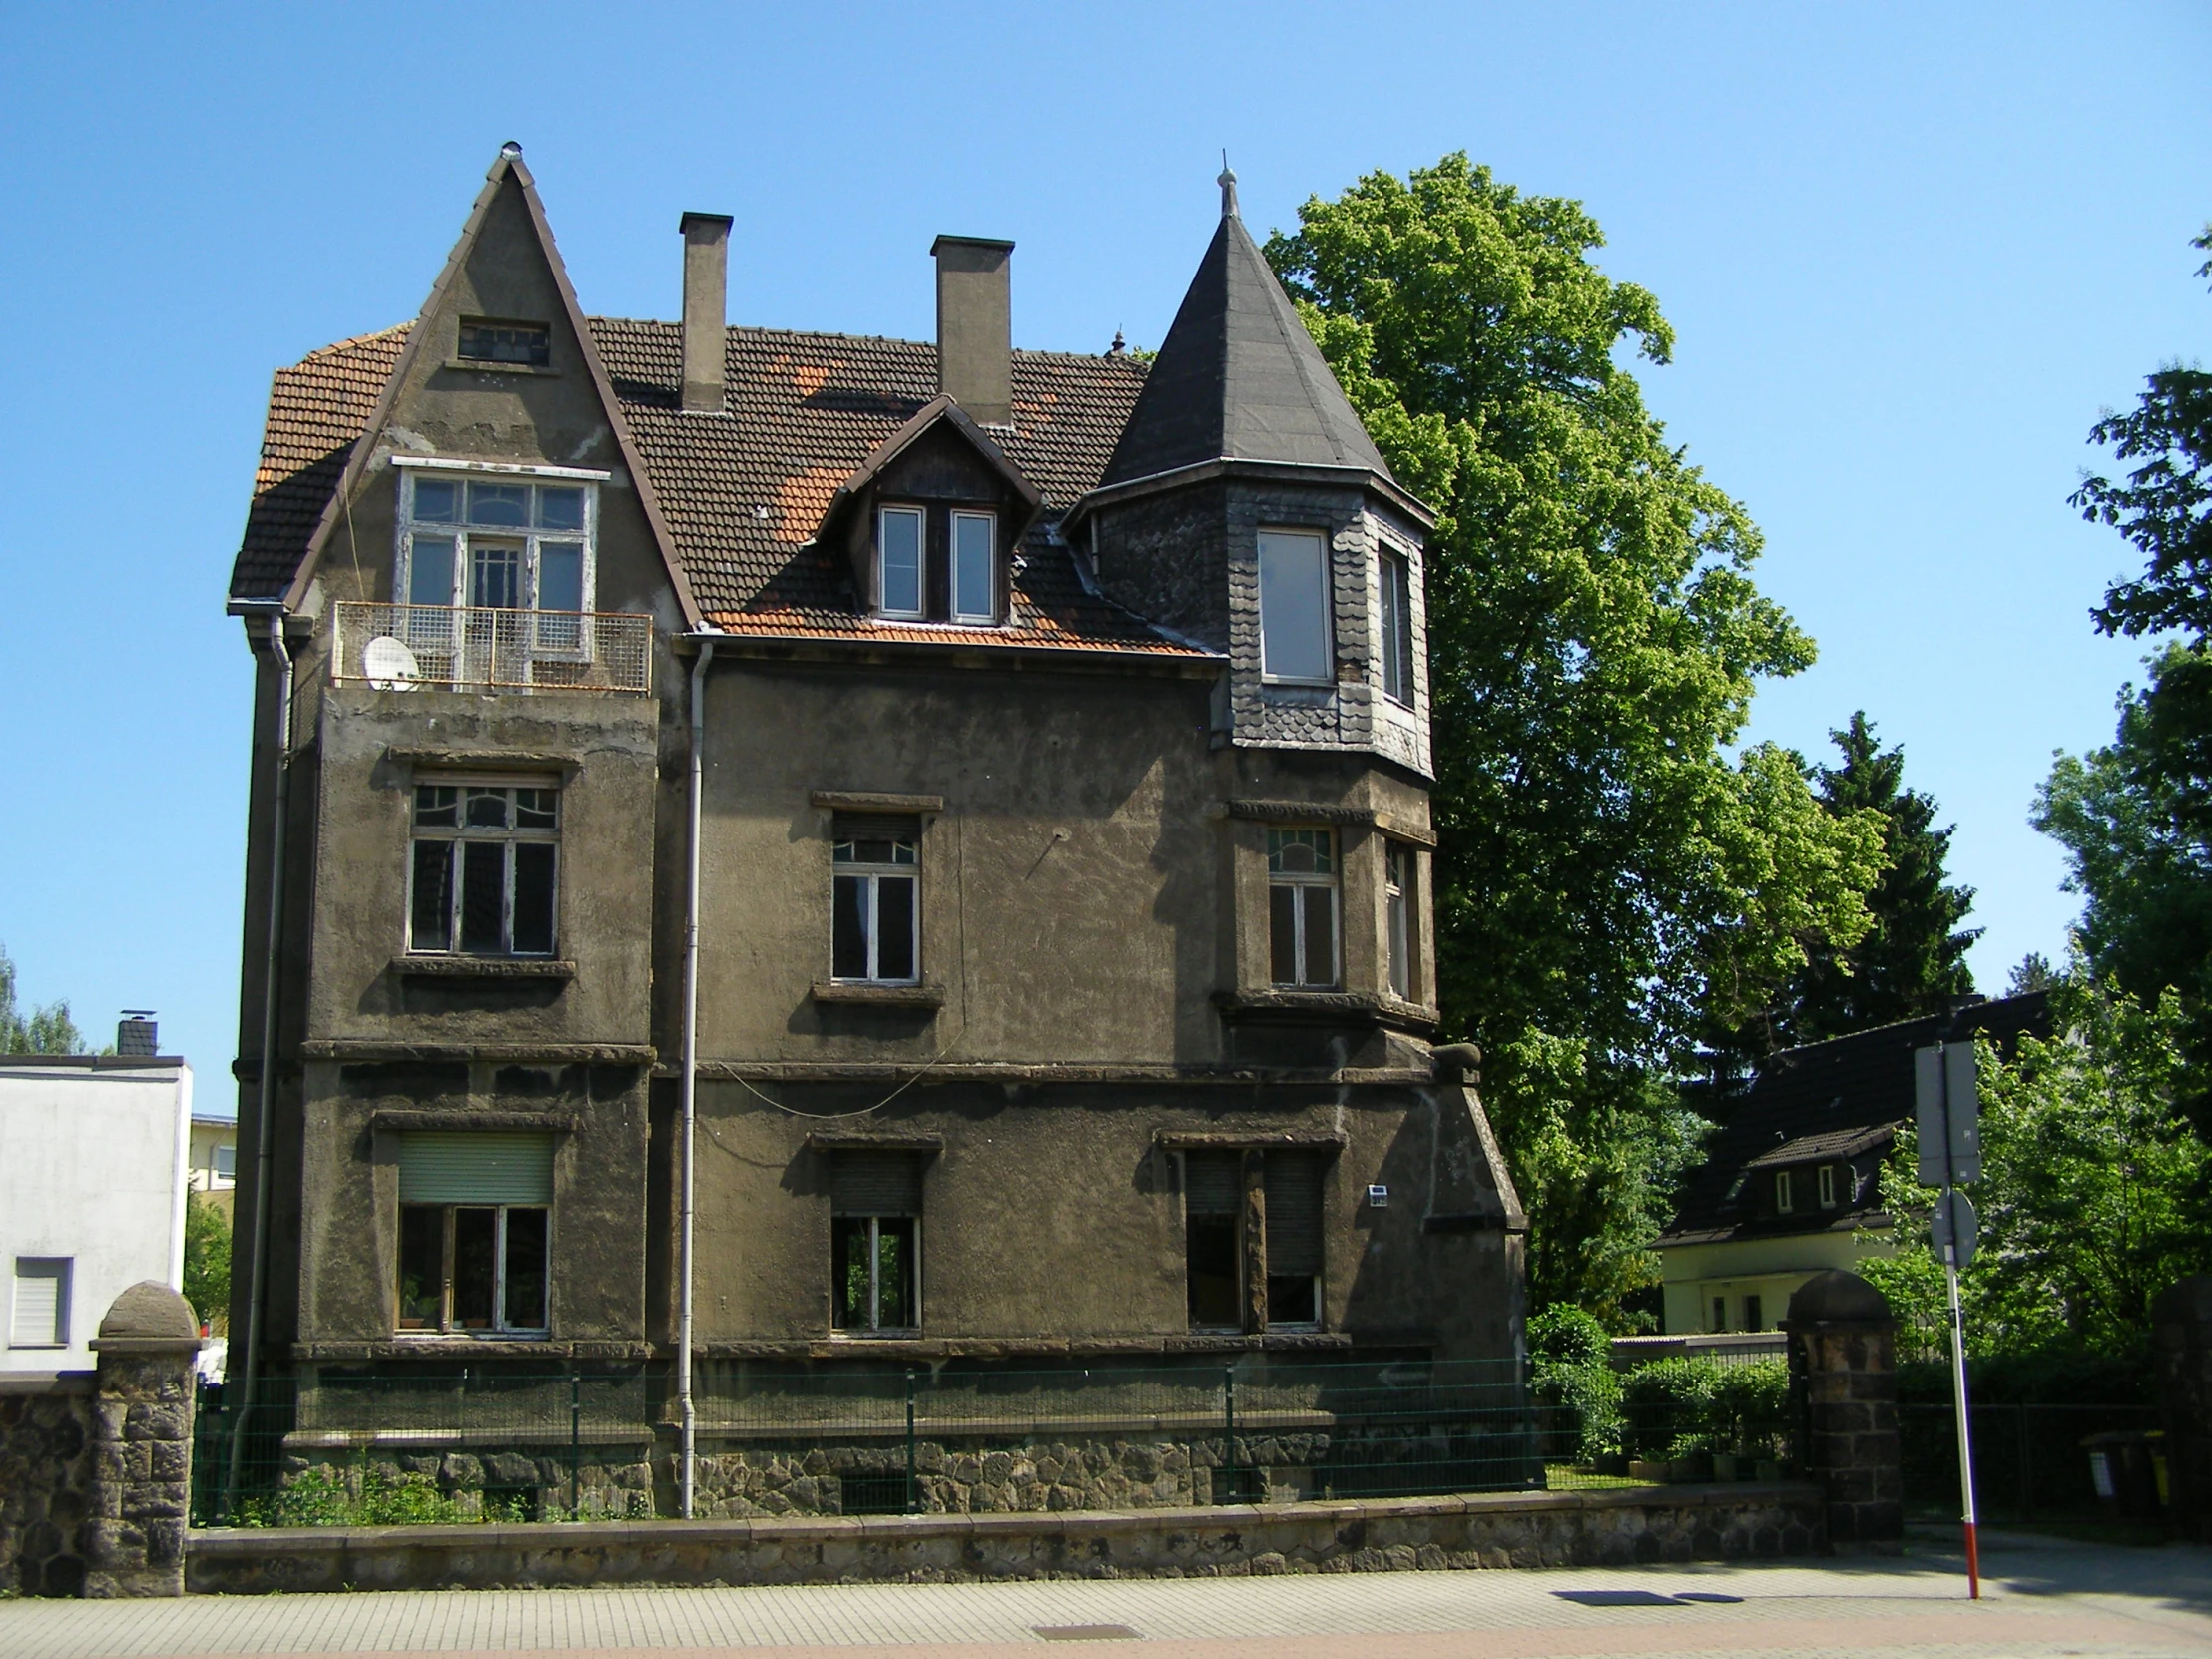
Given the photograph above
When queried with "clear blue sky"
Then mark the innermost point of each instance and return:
(1910, 252)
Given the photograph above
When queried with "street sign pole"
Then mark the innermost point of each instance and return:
(1958, 1332)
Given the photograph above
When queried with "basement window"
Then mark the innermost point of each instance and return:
(475, 1231)
(521, 344)
(1291, 1182)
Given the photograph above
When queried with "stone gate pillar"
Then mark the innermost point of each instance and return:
(141, 1445)
(1844, 1400)
(2181, 1349)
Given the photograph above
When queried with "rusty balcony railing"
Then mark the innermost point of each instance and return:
(401, 647)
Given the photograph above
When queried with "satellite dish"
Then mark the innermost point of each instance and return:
(389, 665)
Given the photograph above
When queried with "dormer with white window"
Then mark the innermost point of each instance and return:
(1245, 509)
(929, 522)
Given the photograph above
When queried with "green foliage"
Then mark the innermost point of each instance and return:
(1565, 1335)
(1611, 880)
(2164, 505)
(1573, 1373)
(2137, 818)
(47, 1030)
(2096, 1191)
(1912, 959)
(369, 1494)
(206, 1259)
(1751, 1409)
(1667, 1407)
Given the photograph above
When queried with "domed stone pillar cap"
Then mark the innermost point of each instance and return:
(1837, 1297)
(149, 1317)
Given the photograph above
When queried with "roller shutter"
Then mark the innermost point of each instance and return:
(1293, 1213)
(875, 1184)
(1212, 1183)
(474, 1166)
(868, 826)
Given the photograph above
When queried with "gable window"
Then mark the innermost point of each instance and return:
(875, 1222)
(38, 1312)
(876, 900)
(1398, 916)
(1301, 908)
(1828, 1185)
(475, 1231)
(496, 544)
(898, 545)
(973, 561)
(526, 344)
(483, 876)
(1213, 1204)
(1294, 606)
(1785, 1194)
(1395, 581)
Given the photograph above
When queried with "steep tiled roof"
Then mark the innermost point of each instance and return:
(741, 491)
(1837, 1099)
(316, 408)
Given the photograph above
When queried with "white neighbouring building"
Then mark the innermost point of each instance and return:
(95, 1154)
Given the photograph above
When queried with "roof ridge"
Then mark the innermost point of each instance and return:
(351, 343)
(756, 329)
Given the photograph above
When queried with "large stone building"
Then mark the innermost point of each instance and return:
(972, 801)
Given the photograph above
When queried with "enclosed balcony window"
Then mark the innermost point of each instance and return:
(498, 544)
(1294, 606)
(484, 872)
(1301, 908)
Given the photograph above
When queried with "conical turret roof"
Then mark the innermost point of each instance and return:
(1239, 377)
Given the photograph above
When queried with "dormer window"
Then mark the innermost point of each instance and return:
(1785, 1193)
(974, 563)
(1828, 1185)
(899, 546)
(520, 344)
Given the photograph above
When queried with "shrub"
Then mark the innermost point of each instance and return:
(1751, 1409)
(367, 1495)
(1667, 1408)
(1574, 1378)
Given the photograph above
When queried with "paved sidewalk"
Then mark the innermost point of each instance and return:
(2039, 1601)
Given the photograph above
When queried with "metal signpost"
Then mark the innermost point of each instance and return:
(1949, 1120)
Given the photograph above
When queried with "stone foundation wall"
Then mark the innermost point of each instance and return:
(47, 1499)
(1536, 1529)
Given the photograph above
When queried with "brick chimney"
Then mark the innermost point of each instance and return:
(706, 301)
(975, 327)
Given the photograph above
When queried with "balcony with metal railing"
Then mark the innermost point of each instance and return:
(468, 647)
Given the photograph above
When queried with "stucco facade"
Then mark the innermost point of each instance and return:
(1065, 748)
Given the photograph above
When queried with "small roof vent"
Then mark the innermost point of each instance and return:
(135, 1034)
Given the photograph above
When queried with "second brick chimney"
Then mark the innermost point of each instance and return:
(975, 327)
(706, 301)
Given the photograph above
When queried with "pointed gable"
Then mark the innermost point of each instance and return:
(1239, 377)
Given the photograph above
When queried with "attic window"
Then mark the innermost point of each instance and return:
(526, 344)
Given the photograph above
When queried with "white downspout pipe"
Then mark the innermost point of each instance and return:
(690, 1082)
(266, 1087)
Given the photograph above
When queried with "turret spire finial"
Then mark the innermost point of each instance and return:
(1227, 183)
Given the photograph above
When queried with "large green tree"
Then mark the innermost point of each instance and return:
(1912, 959)
(2135, 816)
(1611, 878)
(2096, 1190)
(47, 1030)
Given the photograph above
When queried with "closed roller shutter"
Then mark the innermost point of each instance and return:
(875, 1184)
(40, 1318)
(871, 827)
(1212, 1183)
(475, 1167)
(1293, 1213)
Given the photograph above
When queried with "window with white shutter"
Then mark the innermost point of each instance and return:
(38, 1314)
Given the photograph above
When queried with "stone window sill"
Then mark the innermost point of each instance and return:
(483, 967)
(1325, 1007)
(479, 366)
(878, 996)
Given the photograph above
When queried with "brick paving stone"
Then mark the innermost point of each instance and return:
(2072, 1600)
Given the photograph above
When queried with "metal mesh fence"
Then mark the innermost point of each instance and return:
(2031, 1462)
(458, 1441)
(403, 645)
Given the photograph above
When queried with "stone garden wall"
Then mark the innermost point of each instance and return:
(46, 1484)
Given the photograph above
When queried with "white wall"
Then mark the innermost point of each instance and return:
(93, 1160)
